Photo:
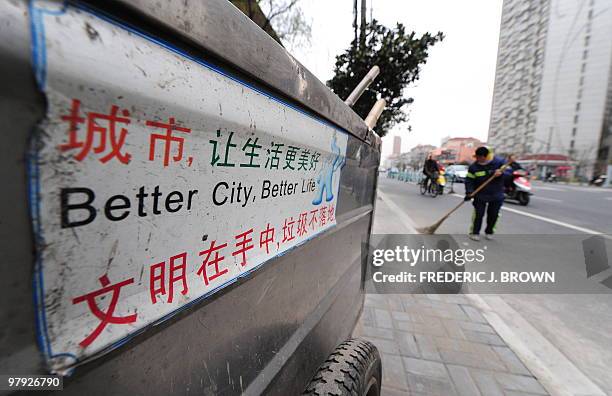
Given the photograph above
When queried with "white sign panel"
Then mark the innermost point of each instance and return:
(156, 180)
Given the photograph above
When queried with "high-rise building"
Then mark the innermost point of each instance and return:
(397, 145)
(520, 61)
(553, 83)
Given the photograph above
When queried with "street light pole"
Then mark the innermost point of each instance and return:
(550, 131)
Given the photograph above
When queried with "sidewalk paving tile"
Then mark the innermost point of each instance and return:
(394, 375)
(385, 346)
(403, 316)
(474, 314)
(383, 318)
(471, 360)
(425, 368)
(453, 329)
(376, 332)
(367, 317)
(422, 385)
(435, 329)
(514, 364)
(520, 383)
(427, 347)
(484, 338)
(407, 344)
(486, 383)
(386, 391)
(480, 327)
(486, 351)
(463, 381)
(441, 345)
(395, 303)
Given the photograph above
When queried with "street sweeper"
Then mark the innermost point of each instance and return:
(490, 198)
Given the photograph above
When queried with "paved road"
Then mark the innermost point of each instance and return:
(577, 325)
(568, 209)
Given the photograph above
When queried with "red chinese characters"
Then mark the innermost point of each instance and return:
(105, 317)
(176, 273)
(302, 224)
(204, 269)
(243, 245)
(266, 237)
(288, 230)
(101, 126)
(167, 140)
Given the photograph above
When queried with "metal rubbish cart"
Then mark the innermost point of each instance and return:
(183, 205)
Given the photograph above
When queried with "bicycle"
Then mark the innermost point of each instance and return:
(431, 188)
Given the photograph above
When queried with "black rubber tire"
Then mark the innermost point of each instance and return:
(423, 188)
(523, 198)
(354, 369)
(433, 189)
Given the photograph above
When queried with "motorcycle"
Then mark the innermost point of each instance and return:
(551, 178)
(520, 189)
(598, 181)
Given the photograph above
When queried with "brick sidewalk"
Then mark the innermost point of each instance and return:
(440, 345)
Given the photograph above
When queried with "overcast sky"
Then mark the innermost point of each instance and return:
(453, 96)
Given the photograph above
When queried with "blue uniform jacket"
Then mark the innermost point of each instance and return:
(477, 174)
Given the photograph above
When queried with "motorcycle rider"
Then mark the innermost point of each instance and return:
(508, 173)
(491, 197)
(430, 169)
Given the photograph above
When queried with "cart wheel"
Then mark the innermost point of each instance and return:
(354, 368)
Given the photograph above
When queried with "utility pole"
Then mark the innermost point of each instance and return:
(362, 33)
(355, 19)
(550, 131)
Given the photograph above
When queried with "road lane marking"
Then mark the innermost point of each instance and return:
(552, 221)
(556, 222)
(548, 188)
(547, 199)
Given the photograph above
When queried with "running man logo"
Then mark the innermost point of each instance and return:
(325, 178)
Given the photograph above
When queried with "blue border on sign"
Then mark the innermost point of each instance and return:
(39, 58)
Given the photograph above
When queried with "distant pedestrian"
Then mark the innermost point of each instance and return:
(491, 197)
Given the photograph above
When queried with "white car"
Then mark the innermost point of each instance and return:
(457, 173)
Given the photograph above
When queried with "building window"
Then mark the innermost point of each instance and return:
(585, 54)
(576, 119)
(577, 106)
(587, 38)
(581, 81)
(572, 144)
(591, 14)
(574, 130)
(583, 69)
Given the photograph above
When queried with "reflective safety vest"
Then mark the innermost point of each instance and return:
(478, 173)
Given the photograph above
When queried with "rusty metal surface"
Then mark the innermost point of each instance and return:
(266, 333)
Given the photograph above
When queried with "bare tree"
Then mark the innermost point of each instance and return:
(288, 21)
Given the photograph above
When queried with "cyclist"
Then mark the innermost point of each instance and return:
(431, 170)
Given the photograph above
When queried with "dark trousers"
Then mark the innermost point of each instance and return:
(430, 177)
(492, 209)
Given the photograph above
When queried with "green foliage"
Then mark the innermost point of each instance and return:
(398, 54)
